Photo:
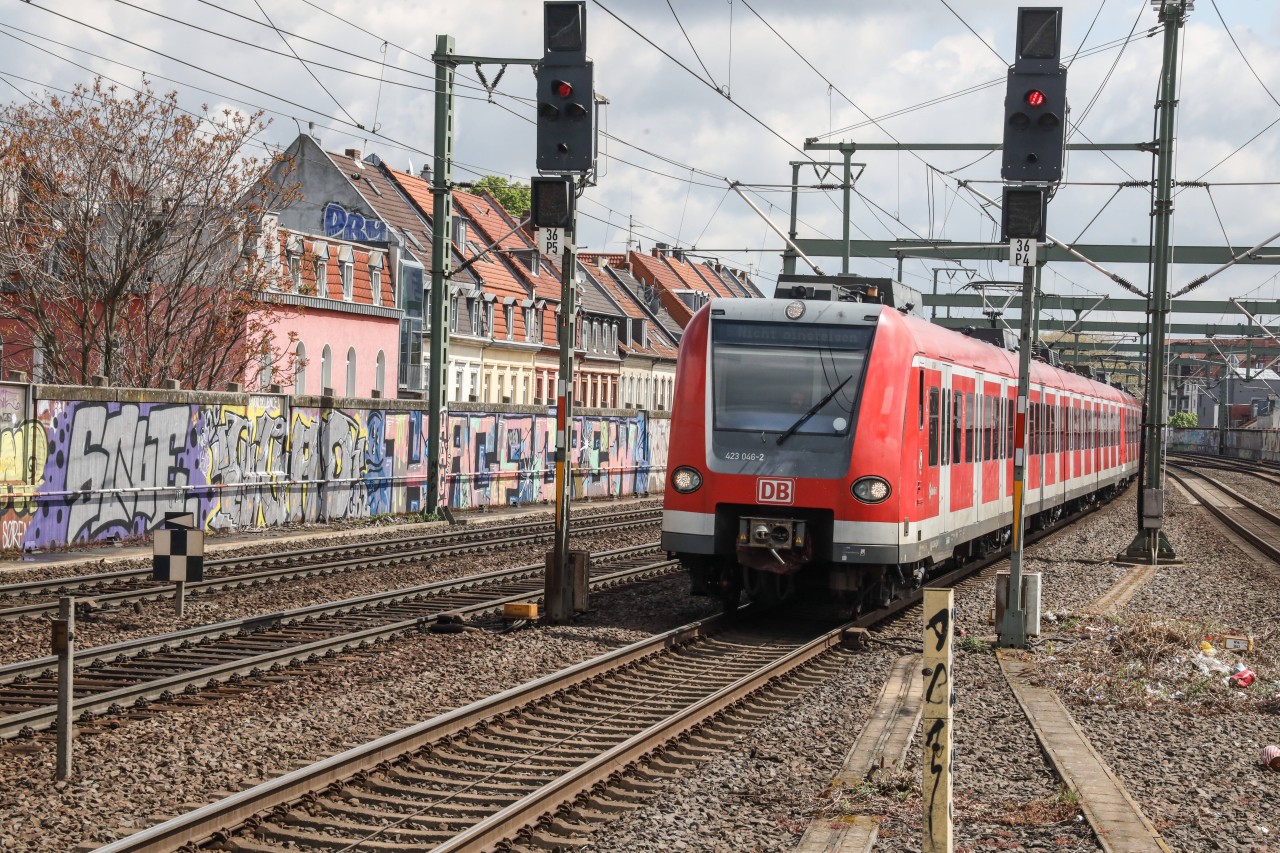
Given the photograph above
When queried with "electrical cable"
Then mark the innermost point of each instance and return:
(306, 67)
(691, 47)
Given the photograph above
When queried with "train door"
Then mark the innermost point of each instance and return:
(961, 445)
(973, 433)
(944, 446)
(1010, 422)
(1049, 443)
(1033, 444)
(991, 407)
(931, 435)
(1069, 459)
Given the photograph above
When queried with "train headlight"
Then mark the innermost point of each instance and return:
(686, 480)
(871, 490)
(795, 310)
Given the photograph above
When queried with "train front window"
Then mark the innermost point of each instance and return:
(767, 376)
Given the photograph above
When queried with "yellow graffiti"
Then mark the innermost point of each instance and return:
(23, 452)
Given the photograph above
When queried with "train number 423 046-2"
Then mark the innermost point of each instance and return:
(737, 456)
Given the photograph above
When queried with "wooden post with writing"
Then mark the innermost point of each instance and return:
(938, 634)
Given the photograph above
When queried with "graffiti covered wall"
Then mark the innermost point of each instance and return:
(87, 465)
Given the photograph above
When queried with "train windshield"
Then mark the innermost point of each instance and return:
(768, 376)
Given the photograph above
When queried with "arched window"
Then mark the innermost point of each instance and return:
(326, 369)
(300, 369)
(380, 374)
(351, 372)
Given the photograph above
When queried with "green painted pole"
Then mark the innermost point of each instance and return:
(1151, 545)
(441, 261)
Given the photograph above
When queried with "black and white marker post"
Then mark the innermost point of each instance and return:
(179, 555)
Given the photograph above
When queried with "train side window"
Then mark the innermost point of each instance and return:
(957, 427)
(1010, 419)
(944, 421)
(921, 385)
(934, 418)
(968, 426)
(1035, 429)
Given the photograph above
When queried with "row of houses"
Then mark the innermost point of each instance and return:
(357, 247)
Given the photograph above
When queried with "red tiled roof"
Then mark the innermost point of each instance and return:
(493, 221)
(361, 288)
(692, 280)
(620, 296)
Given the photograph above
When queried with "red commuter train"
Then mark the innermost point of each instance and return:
(845, 445)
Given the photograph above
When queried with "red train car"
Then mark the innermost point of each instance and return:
(848, 445)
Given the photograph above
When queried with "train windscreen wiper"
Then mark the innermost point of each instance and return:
(803, 419)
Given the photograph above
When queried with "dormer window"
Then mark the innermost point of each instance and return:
(295, 273)
(375, 277)
(460, 232)
(535, 263)
(322, 270)
(346, 269)
(509, 314)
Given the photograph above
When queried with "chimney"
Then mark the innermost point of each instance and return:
(425, 174)
(311, 131)
(660, 250)
(353, 153)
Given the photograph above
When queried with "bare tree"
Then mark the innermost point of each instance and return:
(138, 240)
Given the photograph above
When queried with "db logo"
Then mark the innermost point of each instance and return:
(775, 491)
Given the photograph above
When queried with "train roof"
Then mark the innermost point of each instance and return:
(930, 339)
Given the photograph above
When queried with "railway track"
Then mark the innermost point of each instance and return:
(133, 674)
(1256, 524)
(1262, 469)
(525, 768)
(111, 589)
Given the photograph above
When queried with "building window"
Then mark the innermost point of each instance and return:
(322, 278)
(300, 369)
(535, 263)
(453, 314)
(509, 314)
(347, 269)
(380, 374)
(375, 284)
(326, 370)
(351, 372)
(488, 319)
(295, 273)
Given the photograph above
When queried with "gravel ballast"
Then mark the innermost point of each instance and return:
(1193, 769)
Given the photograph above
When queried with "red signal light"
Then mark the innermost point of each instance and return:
(1035, 98)
(564, 90)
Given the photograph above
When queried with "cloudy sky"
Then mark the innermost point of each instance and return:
(758, 78)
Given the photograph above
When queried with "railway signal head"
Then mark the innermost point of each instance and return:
(1035, 100)
(551, 202)
(1034, 107)
(566, 100)
(1022, 213)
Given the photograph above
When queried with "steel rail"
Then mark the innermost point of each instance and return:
(115, 651)
(160, 591)
(204, 822)
(1270, 547)
(217, 820)
(113, 701)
